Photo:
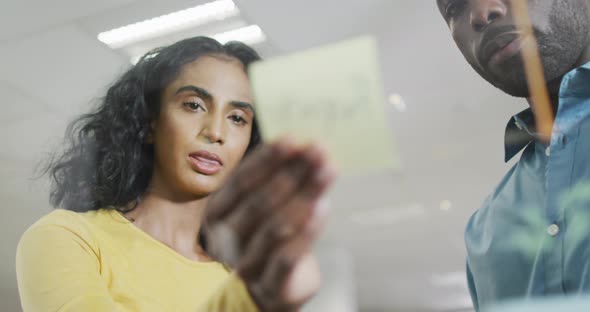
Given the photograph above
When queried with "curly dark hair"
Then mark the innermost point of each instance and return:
(106, 162)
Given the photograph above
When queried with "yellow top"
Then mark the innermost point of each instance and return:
(99, 261)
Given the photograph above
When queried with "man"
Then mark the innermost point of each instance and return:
(531, 237)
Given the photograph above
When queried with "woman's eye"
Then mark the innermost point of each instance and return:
(238, 119)
(194, 106)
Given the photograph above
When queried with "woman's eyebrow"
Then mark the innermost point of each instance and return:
(200, 91)
(242, 105)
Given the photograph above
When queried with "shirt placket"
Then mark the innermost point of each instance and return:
(558, 177)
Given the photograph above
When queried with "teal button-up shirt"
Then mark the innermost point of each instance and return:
(531, 237)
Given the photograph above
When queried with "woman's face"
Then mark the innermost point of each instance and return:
(203, 129)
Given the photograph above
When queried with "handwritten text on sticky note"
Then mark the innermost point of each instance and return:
(330, 94)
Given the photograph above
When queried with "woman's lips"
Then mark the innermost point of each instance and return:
(205, 163)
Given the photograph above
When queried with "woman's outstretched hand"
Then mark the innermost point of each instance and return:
(265, 219)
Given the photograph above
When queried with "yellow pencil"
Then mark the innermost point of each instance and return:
(540, 102)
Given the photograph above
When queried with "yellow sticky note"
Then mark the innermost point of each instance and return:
(333, 95)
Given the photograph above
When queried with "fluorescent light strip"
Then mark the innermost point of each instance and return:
(169, 23)
(249, 35)
(388, 215)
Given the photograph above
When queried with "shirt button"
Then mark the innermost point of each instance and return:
(553, 230)
(548, 151)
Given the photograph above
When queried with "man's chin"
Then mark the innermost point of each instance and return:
(510, 77)
(514, 84)
(516, 91)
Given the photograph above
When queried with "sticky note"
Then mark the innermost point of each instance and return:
(332, 95)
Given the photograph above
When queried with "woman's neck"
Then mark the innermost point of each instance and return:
(176, 224)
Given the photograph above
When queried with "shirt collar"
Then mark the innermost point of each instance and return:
(520, 131)
(575, 83)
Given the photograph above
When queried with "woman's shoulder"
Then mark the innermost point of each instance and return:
(60, 239)
(58, 217)
(73, 219)
(67, 219)
(61, 223)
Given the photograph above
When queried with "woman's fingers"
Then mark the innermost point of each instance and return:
(249, 176)
(290, 181)
(290, 278)
(232, 234)
(303, 281)
(266, 219)
(305, 212)
(277, 264)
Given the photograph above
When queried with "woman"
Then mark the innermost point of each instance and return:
(141, 228)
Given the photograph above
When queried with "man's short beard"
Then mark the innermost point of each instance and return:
(560, 48)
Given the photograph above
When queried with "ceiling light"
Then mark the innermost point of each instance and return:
(388, 215)
(446, 205)
(169, 23)
(398, 102)
(249, 35)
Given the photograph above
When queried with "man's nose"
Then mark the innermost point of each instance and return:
(485, 12)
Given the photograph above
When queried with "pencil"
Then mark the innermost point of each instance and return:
(539, 97)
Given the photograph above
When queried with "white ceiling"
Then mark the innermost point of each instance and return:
(405, 254)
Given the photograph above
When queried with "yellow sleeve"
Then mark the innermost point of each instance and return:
(231, 297)
(58, 270)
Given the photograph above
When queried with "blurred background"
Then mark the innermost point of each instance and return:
(395, 240)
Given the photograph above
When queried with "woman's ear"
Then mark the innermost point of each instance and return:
(150, 136)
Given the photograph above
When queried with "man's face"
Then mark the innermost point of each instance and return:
(486, 34)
